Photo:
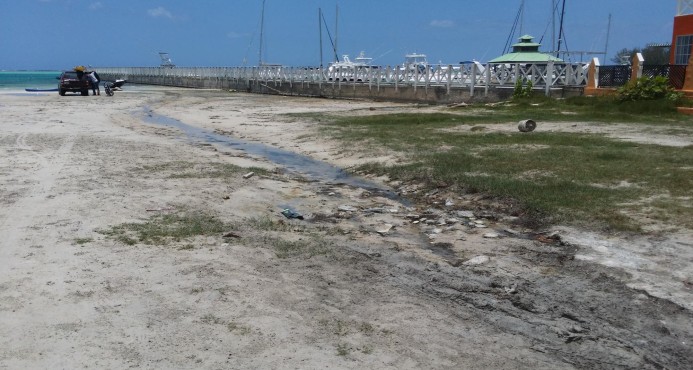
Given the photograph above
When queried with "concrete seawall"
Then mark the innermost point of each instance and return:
(345, 90)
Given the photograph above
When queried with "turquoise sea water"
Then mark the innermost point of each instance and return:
(20, 80)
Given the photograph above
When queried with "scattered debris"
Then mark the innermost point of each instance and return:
(527, 125)
(345, 208)
(290, 213)
(249, 175)
(491, 235)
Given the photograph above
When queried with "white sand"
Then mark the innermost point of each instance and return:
(70, 297)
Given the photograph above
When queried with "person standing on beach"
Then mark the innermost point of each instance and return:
(94, 78)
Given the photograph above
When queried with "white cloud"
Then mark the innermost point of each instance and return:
(96, 5)
(442, 23)
(160, 12)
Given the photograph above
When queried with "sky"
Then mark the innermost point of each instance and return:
(59, 34)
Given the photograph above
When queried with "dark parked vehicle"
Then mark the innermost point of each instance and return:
(74, 82)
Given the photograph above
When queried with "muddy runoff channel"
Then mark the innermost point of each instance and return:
(567, 311)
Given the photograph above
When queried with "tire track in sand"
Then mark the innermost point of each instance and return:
(17, 218)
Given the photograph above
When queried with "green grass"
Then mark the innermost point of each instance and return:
(546, 176)
(80, 241)
(163, 229)
(189, 170)
(309, 246)
(596, 109)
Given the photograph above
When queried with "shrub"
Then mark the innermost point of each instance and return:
(648, 88)
(522, 91)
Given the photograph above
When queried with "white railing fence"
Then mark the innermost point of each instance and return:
(469, 75)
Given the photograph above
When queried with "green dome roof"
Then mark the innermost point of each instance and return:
(526, 51)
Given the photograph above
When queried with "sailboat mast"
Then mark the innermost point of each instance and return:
(522, 17)
(608, 33)
(336, 33)
(262, 31)
(560, 31)
(553, 24)
(320, 32)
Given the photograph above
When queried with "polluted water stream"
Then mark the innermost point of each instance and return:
(293, 162)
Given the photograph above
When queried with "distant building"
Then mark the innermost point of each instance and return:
(682, 38)
(526, 51)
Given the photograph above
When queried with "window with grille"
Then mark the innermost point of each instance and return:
(683, 49)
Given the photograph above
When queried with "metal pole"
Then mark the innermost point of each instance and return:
(560, 31)
(608, 33)
(320, 28)
(262, 29)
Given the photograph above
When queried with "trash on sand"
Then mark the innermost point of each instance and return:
(290, 213)
(249, 175)
(527, 125)
(385, 230)
(346, 208)
(492, 235)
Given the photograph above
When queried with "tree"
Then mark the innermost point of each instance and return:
(625, 56)
(656, 55)
(653, 55)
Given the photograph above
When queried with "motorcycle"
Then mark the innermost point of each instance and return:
(108, 87)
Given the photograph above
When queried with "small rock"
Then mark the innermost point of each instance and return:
(385, 230)
(249, 175)
(431, 193)
(346, 208)
(478, 260)
(465, 214)
(449, 203)
(512, 232)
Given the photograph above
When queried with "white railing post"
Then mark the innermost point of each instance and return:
(549, 78)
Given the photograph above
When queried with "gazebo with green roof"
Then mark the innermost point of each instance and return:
(526, 51)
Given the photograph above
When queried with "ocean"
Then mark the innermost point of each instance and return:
(20, 80)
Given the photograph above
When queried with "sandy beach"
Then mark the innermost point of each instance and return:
(369, 288)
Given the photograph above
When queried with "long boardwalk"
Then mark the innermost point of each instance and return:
(429, 83)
